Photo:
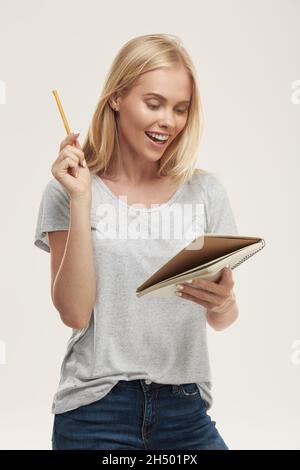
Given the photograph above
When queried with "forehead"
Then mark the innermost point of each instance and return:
(173, 83)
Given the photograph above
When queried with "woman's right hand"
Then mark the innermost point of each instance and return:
(69, 168)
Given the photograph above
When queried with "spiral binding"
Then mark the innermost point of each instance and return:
(249, 256)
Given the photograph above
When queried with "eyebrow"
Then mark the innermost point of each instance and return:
(163, 98)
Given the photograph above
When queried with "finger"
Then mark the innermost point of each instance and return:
(203, 295)
(220, 287)
(69, 139)
(69, 153)
(76, 148)
(207, 285)
(77, 144)
(82, 156)
(78, 152)
(68, 162)
(196, 300)
(226, 277)
(75, 168)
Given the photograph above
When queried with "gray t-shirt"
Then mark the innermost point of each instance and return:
(161, 340)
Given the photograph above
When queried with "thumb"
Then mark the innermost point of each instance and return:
(75, 140)
(226, 273)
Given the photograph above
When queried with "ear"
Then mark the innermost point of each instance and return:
(113, 101)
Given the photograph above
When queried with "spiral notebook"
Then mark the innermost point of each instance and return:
(204, 257)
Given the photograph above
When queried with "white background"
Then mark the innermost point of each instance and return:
(247, 56)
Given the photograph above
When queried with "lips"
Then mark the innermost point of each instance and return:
(162, 142)
(159, 133)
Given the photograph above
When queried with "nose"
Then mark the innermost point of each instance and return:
(167, 122)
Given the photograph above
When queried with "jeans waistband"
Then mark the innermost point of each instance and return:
(138, 383)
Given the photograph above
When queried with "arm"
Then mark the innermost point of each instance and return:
(74, 287)
(221, 220)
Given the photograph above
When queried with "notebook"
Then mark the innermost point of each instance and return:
(204, 257)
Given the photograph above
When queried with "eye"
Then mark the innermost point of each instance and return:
(152, 106)
(182, 111)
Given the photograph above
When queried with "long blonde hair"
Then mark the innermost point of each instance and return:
(139, 55)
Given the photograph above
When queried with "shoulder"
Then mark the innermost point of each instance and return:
(219, 214)
(54, 184)
(209, 183)
(54, 188)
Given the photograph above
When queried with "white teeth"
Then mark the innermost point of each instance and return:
(158, 136)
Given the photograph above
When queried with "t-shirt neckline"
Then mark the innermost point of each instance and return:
(145, 209)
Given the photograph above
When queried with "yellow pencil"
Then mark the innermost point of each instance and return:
(55, 93)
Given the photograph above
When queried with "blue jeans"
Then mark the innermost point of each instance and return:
(139, 416)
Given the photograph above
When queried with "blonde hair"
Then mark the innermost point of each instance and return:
(139, 55)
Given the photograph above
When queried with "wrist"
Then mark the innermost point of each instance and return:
(84, 199)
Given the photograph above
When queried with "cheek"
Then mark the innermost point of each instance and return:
(144, 118)
(181, 128)
(138, 121)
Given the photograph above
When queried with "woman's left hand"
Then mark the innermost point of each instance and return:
(214, 296)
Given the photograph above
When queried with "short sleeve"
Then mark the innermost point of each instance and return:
(53, 213)
(220, 217)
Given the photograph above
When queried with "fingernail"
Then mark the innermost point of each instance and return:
(190, 280)
(76, 133)
(178, 293)
(179, 287)
(84, 163)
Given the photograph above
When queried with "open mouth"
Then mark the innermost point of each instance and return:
(158, 142)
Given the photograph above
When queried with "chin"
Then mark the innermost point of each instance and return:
(153, 159)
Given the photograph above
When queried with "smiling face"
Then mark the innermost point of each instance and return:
(141, 111)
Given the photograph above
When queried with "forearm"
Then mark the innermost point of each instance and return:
(74, 288)
(221, 318)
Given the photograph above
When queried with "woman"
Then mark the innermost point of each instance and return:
(136, 371)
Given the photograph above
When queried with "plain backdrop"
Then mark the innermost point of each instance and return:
(246, 53)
